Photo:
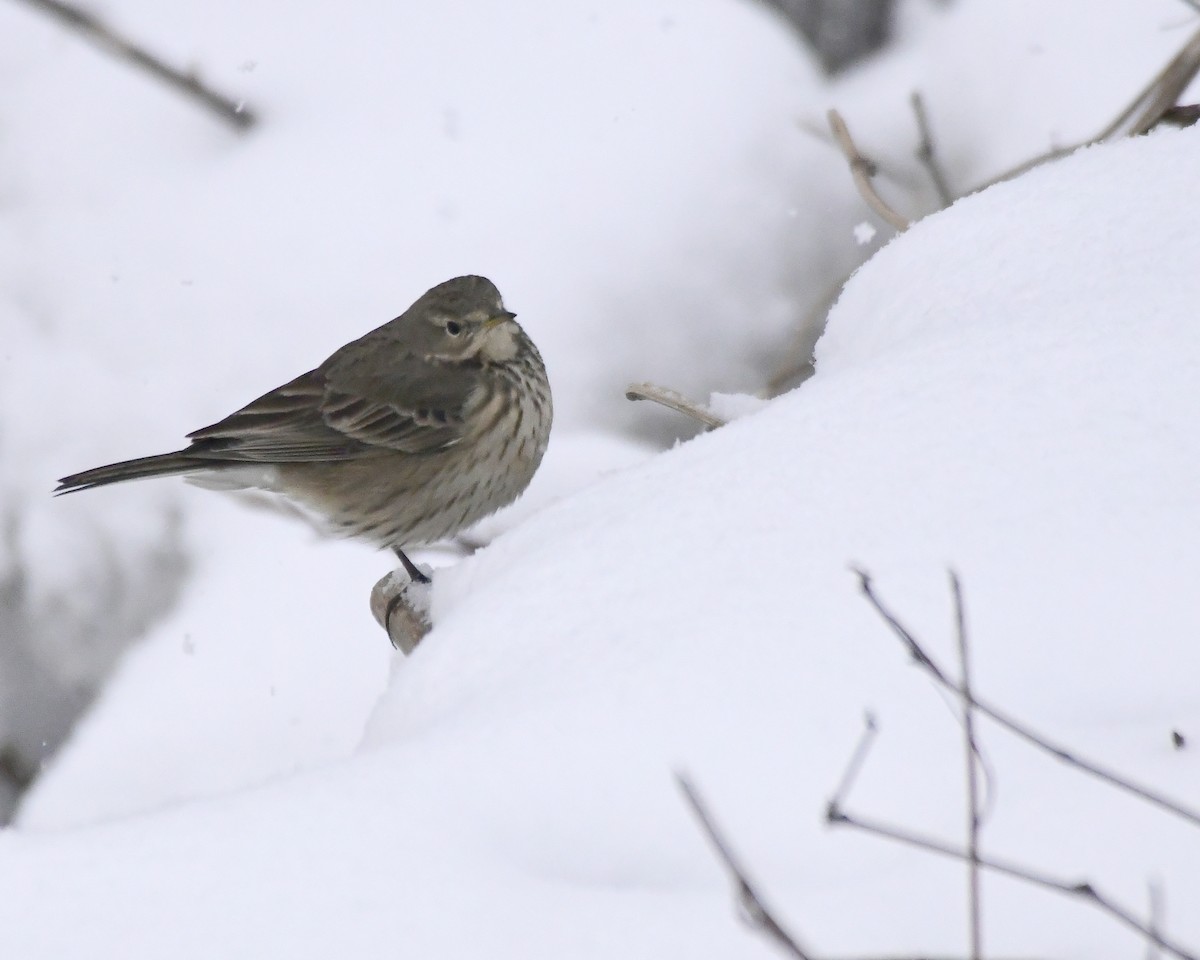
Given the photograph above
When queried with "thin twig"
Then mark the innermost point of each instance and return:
(857, 759)
(971, 747)
(838, 816)
(1147, 109)
(1156, 912)
(1017, 727)
(1161, 92)
(797, 366)
(1182, 115)
(914, 649)
(862, 170)
(674, 400)
(753, 909)
(94, 29)
(925, 151)
(901, 179)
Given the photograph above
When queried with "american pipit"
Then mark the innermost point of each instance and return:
(404, 436)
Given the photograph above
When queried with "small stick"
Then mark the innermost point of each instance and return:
(94, 29)
(754, 910)
(925, 151)
(1160, 93)
(1017, 727)
(837, 815)
(1182, 115)
(972, 751)
(1156, 907)
(796, 365)
(675, 401)
(1155, 100)
(862, 170)
(857, 760)
(401, 606)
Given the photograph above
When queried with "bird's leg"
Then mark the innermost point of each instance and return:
(410, 568)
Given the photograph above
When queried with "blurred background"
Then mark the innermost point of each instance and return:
(650, 183)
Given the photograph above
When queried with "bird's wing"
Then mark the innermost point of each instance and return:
(345, 414)
(284, 425)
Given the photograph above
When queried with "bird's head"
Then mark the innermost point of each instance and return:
(463, 319)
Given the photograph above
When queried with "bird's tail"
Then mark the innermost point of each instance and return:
(163, 465)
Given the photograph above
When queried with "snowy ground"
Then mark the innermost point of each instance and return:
(1006, 389)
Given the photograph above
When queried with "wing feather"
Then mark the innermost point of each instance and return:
(346, 412)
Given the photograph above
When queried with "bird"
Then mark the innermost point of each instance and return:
(403, 437)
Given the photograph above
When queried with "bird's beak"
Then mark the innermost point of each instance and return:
(498, 319)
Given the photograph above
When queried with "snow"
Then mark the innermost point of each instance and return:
(864, 233)
(730, 406)
(1006, 390)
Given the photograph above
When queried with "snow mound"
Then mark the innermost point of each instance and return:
(1007, 389)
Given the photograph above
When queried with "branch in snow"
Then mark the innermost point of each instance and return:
(1153, 105)
(233, 112)
(862, 170)
(749, 902)
(1181, 116)
(753, 910)
(836, 814)
(676, 401)
(797, 368)
(925, 151)
(401, 606)
(971, 747)
(1156, 910)
(1015, 726)
(1159, 95)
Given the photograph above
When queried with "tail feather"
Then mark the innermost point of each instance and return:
(163, 465)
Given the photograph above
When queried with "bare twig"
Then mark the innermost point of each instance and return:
(749, 902)
(94, 29)
(753, 909)
(862, 170)
(1017, 727)
(1158, 95)
(801, 366)
(836, 814)
(1181, 116)
(1156, 912)
(1024, 167)
(914, 648)
(857, 759)
(401, 606)
(1152, 105)
(675, 401)
(898, 178)
(971, 746)
(925, 151)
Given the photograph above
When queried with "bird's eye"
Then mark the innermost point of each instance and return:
(453, 327)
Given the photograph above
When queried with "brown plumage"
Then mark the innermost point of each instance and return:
(407, 435)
